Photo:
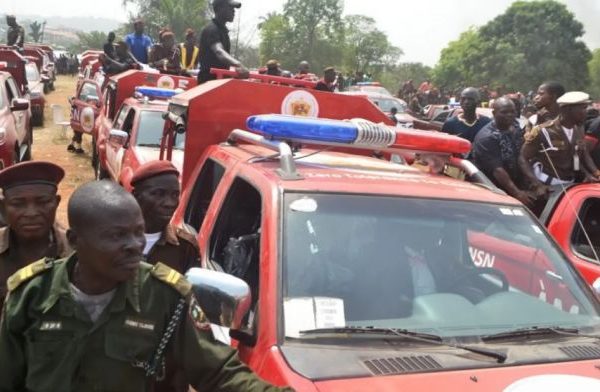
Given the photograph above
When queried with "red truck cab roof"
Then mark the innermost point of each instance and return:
(215, 108)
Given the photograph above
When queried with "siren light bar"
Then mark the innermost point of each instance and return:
(356, 133)
(156, 92)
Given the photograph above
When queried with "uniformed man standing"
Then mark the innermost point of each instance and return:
(545, 102)
(15, 36)
(215, 44)
(156, 189)
(94, 321)
(554, 153)
(29, 207)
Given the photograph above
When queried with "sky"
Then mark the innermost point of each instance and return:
(421, 28)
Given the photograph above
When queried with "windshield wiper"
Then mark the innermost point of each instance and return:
(147, 145)
(412, 335)
(537, 331)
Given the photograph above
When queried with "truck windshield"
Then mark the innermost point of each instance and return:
(451, 268)
(386, 104)
(150, 130)
(32, 73)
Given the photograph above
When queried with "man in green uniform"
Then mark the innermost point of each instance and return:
(554, 153)
(29, 208)
(95, 321)
(15, 35)
(156, 189)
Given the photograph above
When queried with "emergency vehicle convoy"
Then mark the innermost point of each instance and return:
(128, 129)
(351, 273)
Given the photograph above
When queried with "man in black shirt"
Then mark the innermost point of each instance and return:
(215, 44)
(496, 151)
(109, 47)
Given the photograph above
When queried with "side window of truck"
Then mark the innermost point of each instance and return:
(235, 239)
(585, 239)
(203, 192)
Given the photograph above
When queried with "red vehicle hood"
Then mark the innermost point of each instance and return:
(571, 376)
(146, 154)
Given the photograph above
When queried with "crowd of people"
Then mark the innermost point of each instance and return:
(554, 145)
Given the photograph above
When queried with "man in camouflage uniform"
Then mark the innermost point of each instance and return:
(93, 321)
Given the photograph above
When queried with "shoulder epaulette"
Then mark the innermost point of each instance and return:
(172, 278)
(26, 273)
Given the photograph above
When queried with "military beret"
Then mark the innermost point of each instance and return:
(31, 172)
(329, 69)
(574, 98)
(153, 169)
(272, 63)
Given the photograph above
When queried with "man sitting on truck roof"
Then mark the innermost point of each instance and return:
(15, 35)
(165, 56)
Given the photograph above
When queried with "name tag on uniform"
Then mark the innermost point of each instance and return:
(51, 326)
(139, 324)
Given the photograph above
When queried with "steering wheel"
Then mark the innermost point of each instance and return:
(479, 271)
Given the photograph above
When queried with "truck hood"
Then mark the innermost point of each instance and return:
(146, 154)
(401, 366)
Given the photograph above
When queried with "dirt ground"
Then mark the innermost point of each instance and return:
(49, 144)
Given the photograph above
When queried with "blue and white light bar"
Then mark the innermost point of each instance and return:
(156, 92)
(354, 133)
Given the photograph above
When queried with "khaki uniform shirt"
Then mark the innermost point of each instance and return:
(48, 342)
(176, 248)
(9, 262)
(555, 150)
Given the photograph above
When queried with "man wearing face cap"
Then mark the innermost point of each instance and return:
(215, 44)
(29, 208)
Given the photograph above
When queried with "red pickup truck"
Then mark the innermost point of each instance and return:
(344, 272)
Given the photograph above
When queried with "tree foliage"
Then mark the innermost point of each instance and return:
(393, 77)
(91, 40)
(177, 15)
(366, 47)
(313, 30)
(36, 31)
(309, 30)
(594, 68)
(531, 42)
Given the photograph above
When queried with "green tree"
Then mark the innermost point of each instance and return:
(594, 68)
(366, 47)
(177, 15)
(36, 31)
(315, 24)
(91, 40)
(275, 34)
(531, 42)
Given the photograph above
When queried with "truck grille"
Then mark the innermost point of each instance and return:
(582, 352)
(398, 365)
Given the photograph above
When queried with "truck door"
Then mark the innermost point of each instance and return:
(88, 96)
(21, 116)
(575, 225)
(115, 151)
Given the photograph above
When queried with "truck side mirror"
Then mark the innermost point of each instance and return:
(117, 137)
(596, 287)
(224, 298)
(19, 104)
